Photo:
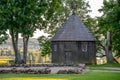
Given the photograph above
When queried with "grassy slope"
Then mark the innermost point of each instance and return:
(88, 76)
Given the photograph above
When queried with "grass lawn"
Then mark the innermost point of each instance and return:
(88, 76)
(104, 66)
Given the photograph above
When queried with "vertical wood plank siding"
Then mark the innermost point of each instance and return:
(74, 49)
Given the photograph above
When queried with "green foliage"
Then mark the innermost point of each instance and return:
(3, 36)
(110, 21)
(61, 12)
(45, 46)
(22, 16)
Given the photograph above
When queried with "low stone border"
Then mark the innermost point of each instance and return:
(45, 69)
(42, 65)
(26, 71)
(71, 71)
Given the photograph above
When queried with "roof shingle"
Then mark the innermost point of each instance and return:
(73, 30)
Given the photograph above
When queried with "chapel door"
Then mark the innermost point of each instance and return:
(67, 57)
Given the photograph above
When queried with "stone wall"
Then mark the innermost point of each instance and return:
(43, 69)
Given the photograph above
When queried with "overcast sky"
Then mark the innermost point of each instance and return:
(95, 5)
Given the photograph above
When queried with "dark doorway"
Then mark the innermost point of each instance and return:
(68, 57)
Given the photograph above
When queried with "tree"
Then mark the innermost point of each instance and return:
(3, 34)
(109, 26)
(36, 11)
(20, 16)
(8, 16)
(24, 16)
(30, 20)
(45, 46)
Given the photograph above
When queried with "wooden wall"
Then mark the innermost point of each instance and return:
(74, 52)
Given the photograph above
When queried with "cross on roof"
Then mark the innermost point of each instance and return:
(74, 4)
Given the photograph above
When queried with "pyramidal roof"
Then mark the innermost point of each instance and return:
(73, 30)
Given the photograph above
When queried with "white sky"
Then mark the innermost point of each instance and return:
(95, 5)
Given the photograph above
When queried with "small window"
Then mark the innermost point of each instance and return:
(55, 47)
(84, 46)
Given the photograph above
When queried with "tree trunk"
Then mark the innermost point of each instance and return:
(14, 36)
(109, 54)
(25, 47)
(45, 58)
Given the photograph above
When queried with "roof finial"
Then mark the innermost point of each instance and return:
(74, 6)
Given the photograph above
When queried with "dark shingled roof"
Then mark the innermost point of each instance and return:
(73, 30)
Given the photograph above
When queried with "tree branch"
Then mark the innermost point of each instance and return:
(115, 32)
(104, 48)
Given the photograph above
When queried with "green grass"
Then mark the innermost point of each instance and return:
(88, 76)
(99, 68)
(107, 66)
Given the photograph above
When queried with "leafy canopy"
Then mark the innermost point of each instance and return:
(110, 21)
